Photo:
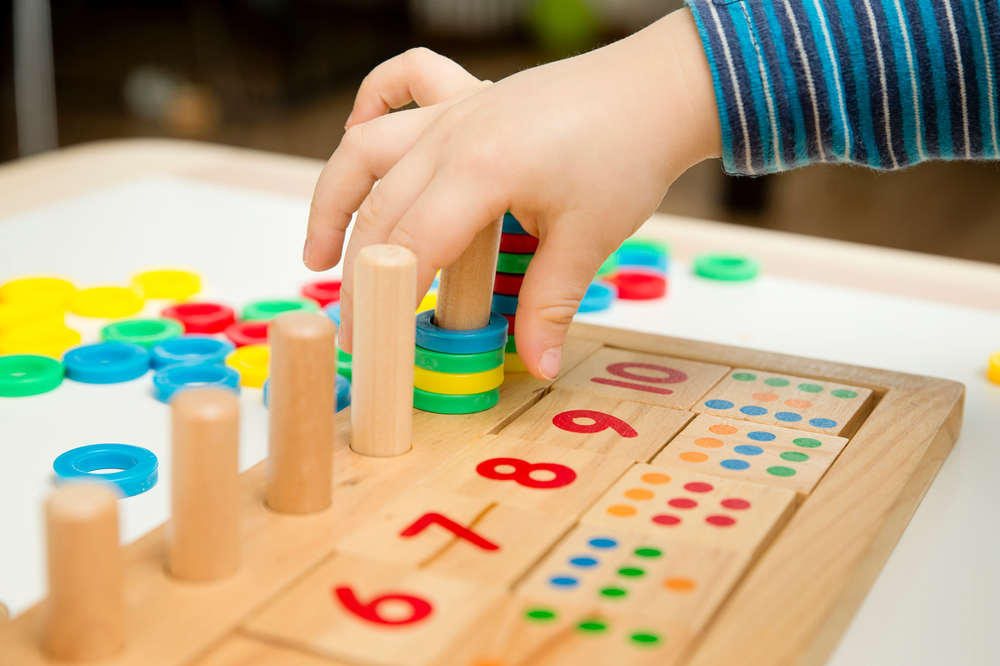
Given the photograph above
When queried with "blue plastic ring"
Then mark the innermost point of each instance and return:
(333, 312)
(139, 467)
(343, 393)
(511, 225)
(180, 376)
(600, 296)
(505, 304)
(634, 256)
(106, 362)
(490, 337)
(190, 349)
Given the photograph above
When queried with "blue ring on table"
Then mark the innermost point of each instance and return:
(633, 256)
(333, 312)
(108, 362)
(600, 296)
(139, 467)
(511, 225)
(343, 392)
(190, 349)
(170, 379)
(490, 337)
(504, 304)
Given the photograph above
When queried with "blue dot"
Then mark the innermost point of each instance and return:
(788, 416)
(719, 404)
(735, 464)
(563, 581)
(748, 450)
(583, 561)
(760, 436)
(602, 542)
(822, 423)
(753, 410)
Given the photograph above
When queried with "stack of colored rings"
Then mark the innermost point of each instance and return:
(639, 269)
(458, 372)
(517, 247)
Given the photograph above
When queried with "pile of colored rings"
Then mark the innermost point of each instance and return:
(32, 316)
(638, 269)
(517, 247)
(458, 372)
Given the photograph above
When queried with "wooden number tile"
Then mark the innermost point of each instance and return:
(752, 452)
(789, 402)
(238, 650)
(655, 380)
(471, 538)
(372, 613)
(615, 427)
(681, 505)
(529, 475)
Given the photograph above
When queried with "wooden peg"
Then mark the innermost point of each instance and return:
(385, 288)
(302, 384)
(203, 535)
(465, 292)
(85, 610)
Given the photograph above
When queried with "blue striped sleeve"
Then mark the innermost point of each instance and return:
(880, 83)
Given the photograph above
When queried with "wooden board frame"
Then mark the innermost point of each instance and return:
(791, 608)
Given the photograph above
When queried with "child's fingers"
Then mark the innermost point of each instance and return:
(419, 75)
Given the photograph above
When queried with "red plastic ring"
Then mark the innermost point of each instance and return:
(518, 243)
(323, 292)
(508, 284)
(510, 325)
(201, 317)
(247, 333)
(638, 286)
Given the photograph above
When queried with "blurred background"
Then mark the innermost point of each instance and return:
(280, 75)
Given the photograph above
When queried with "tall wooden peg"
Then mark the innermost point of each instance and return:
(302, 393)
(85, 610)
(465, 292)
(203, 535)
(385, 288)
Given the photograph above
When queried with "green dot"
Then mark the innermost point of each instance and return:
(592, 626)
(631, 572)
(810, 388)
(781, 471)
(540, 614)
(794, 456)
(807, 442)
(648, 552)
(744, 376)
(844, 393)
(645, 638)
(777, 381)
(613, 592)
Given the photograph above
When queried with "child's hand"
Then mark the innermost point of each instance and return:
(581, 151)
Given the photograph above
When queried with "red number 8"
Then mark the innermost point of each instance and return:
(419, 608)
(522, 472)
(601, 421)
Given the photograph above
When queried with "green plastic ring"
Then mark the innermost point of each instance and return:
(144, 332)
(609, 266)
(458, 363)
(267, 310)
(344, 356)
(728, 267)
(511, 346)
(438, 403)
(345, 370)
(28, 374)
(513, 263)
(646, 244)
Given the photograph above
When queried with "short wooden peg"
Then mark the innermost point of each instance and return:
(465, 292)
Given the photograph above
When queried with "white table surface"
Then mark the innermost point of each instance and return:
(936, 602)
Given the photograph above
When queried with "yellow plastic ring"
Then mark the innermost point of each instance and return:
(429, 302)
(512, 363)
(994, 372)
(448, 384)
(38, 290)
(41, 339)
(173, 284)
(18, 315)
(251, 361)
(106, 302)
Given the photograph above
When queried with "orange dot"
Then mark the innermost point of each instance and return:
(709, 442)
(622, 510)
(765, 397)
(722, 429)
(693, 456)
(679, 584)
(655, 478)
(798, 404)
(639, 494)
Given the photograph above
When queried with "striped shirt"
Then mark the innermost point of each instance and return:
(881, 83)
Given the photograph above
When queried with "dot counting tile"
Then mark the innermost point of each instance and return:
(620, 428)
(649, 378)
(752, 452)
(790, 402)
(684, 506)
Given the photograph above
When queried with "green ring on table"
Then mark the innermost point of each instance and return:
(609, 266)
(513, 263)
(343, 356)
(726, 267)
(645, 244)
(458, 364)
(28, 374)
(143, 332)
(267, 310)
(437, 403)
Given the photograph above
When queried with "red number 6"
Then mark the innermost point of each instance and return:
(522, 472)
(601, 421)
(419, 608)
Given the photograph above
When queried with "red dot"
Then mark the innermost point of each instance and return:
(735, 504)
(664, 519)
(698, 487)
(720, 521)
(682, 503)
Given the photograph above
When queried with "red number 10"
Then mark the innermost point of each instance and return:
(670, 376)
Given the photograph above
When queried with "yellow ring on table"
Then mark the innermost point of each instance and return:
(512, 363)
(18, 315)
(251, 361)
(39, 290)
(994, 371)
(106, 302)
(43, 339)
(429, 302)
(173, 284)
(464, 384)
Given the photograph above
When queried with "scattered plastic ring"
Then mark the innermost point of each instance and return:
(458, 363)
(492, 336)
(323, 293)
(637, 286)
(511, 346)
(106, 302)
(994, 371)
(106, 362)
(726, 267)
(173, 284)
(44, 339)
(504, 304)
(511, 225)
(19, 314)
(513, 263)
(333, 312)
(438, 403)
(638, 256)
(609, 266)
(201, 317)
(247, 333)
(251, 361)
(600, 295)
(180, 376)
(518, 243)
(267, 310)
(457, 384)
(28, 374)
(508, 284)
(139, 467)
(343, 393)
(513, 363)
(344, 356)
(428, 302)
(38, 290)
(190, 349)
(145, 332)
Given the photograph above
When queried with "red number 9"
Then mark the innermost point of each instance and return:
(522, 472)
(601, 421)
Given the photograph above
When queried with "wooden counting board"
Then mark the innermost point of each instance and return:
(593, 520)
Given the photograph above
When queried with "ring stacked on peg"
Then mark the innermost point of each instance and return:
(517, 247)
